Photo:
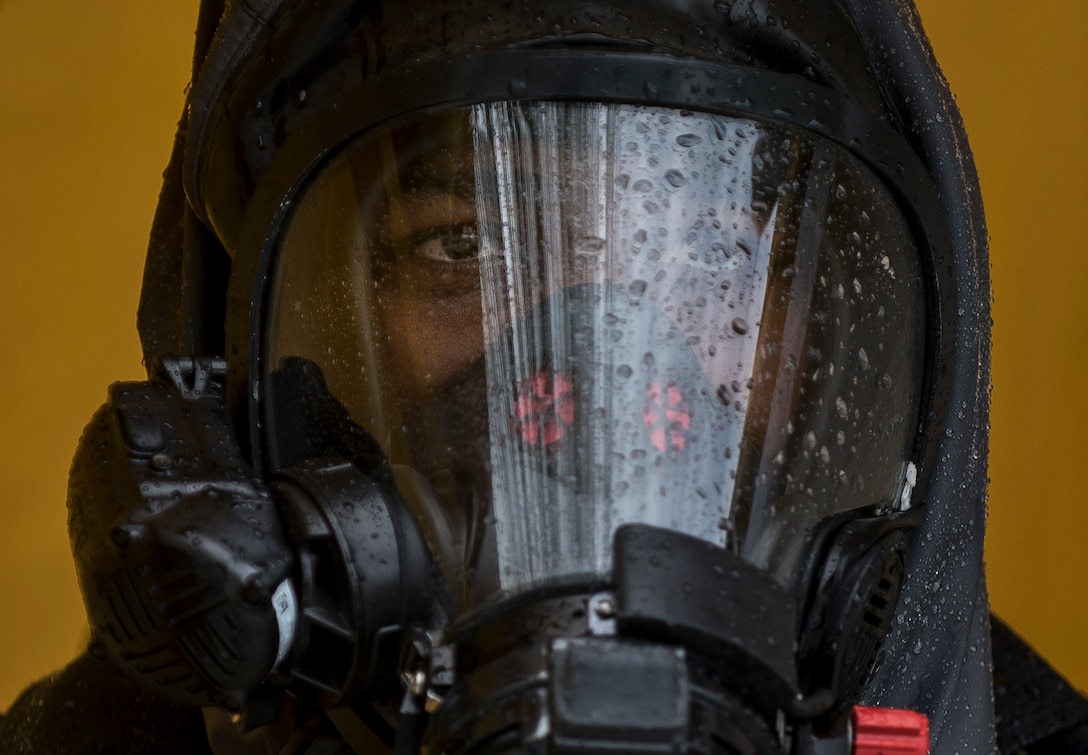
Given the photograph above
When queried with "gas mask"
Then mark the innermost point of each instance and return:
(583, 416)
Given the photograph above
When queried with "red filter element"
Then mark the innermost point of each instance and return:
(545, 408)
(890, 731)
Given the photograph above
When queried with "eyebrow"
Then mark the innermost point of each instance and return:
(418, 210)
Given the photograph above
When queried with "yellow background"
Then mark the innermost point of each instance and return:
(90, 94)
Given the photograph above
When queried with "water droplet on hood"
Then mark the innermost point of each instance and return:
(841, 408)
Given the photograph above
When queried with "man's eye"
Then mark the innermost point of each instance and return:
(450, 244)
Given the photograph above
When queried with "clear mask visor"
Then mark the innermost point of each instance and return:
(559, 318)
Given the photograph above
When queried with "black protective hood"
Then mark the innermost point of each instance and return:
(937, 658)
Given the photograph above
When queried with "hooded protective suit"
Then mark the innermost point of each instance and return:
(263, 67)
(938, 651)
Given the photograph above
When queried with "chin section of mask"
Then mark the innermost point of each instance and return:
(560, 318)
(687, 648)
(212, 588)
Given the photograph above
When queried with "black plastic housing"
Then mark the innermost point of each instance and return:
(365, 578)
(677, 588)
(213, 588)
(177, 548)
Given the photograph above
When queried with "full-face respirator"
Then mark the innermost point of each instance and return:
(584, 415)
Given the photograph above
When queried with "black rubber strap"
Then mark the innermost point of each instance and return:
(1038, 711)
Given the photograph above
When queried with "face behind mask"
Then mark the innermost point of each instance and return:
(644, 316)
(650, 337)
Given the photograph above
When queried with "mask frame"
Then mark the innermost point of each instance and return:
(580, 75)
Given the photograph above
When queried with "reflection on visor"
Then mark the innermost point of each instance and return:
(559, 318)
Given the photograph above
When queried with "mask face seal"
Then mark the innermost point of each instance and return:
(557, 319)
(575, 327)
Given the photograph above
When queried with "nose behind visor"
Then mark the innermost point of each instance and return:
(558, 318)
(610, 426)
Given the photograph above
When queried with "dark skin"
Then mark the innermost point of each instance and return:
(429, 290)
